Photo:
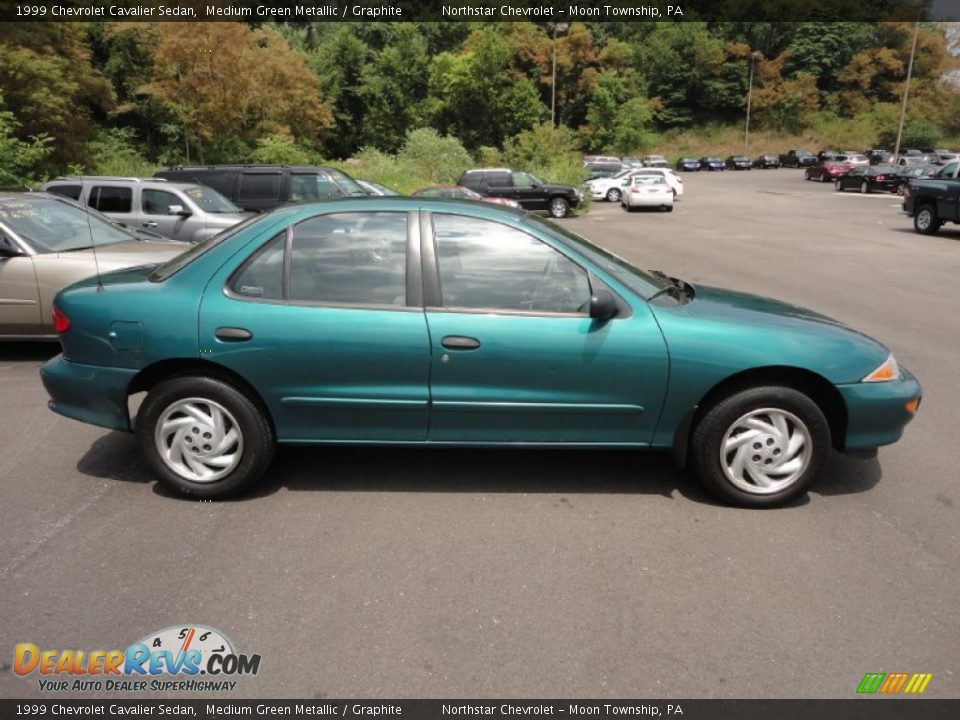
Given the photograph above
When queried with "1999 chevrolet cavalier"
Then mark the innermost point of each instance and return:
(432, 322)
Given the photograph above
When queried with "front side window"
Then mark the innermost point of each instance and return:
(485, 265)
(109, 199)
(307, 187)
(158, 202)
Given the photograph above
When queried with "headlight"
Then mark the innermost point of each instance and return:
(887, 371)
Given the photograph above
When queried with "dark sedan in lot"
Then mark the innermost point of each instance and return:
(738, 162)
(429, 322)
(767, 160)
(688, 164)
(712, 163)
(870, 178)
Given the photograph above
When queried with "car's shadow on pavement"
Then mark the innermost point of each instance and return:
(116, 456)
(948, 232)
(27, 351)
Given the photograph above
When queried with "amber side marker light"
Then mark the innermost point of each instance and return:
(913, 406)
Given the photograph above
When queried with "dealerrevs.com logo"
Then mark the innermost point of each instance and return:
(182, 657)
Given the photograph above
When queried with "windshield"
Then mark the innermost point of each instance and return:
(633, 277)
(210, 200)
(50, 225)
(185, 258)
(349, 185)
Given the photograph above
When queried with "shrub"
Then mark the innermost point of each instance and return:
(439, 159)
(281, 148)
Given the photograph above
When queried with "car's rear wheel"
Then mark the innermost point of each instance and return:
(824, 178)
(838, 186)
(807, 175)
(668, 208)
(613, 195)
(926, 221)
(760, 447)
(559, 207)
(203, 437)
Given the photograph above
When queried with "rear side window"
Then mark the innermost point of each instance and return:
(67, 191)
(110, 199)
(259, 186)
(498, 179)
(261, 277)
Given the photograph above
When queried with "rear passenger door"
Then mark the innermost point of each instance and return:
(325, 319)
(114, 201)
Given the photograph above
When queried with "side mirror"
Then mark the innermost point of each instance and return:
(178, 210)
(603, 305)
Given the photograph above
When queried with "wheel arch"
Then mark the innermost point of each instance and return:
(150, 376)
(815, 386)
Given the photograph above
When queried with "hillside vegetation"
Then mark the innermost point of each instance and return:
(415, 103)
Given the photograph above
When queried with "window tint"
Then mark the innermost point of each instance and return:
(111, 199)
(261, 277)
(255, 186)
(501, 179)
(350, 258)
(313, 187)
(158, 202)
(486, 265)
(522, 180)
(67, 191)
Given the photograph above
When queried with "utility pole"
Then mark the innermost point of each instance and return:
(746, 128)
(906, 93)
(553, 81)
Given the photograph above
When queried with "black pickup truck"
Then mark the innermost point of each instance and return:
(934, 201)
(798, 159)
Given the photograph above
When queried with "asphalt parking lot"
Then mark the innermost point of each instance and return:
(478, 573)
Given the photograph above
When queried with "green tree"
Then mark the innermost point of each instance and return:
(20, 160)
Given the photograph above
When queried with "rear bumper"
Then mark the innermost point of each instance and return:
(876, 412)
(89, 393)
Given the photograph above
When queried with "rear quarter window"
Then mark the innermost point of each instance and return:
(256, 186)
(67, 191)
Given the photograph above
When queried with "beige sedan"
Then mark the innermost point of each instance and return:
(46, 243)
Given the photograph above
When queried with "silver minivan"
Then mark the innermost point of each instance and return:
(179, 211)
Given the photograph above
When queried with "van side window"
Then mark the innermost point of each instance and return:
(257, 186)
(67, 191)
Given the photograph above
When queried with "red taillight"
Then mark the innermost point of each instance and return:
(61, 323)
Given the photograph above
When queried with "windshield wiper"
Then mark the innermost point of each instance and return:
(677, 288)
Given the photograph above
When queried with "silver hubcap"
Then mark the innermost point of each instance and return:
(863, 187)
(199, 440)
(613, 195)
(765, 451)
(558, 209)
(923, 219)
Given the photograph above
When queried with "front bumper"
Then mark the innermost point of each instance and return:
(876, 412)
(89, 393)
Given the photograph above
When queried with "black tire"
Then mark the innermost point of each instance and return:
(925, 220)
(824, 178)
(722, 416)
(838, 186)
(254, 428)
(559, 208)
(613, 195)
(806, 175)
(668, 208)
(864, 188)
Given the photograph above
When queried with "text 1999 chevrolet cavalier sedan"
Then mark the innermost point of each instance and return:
(432, 322)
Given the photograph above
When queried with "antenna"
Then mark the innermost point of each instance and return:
(93, 244)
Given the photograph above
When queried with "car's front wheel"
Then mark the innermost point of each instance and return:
(559, 207)
(864, 188)
(203, 437)
(838, 186)
(760, 447)
(613, 195)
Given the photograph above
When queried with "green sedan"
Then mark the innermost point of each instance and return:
(418, 321)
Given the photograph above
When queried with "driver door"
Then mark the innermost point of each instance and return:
(20, 312)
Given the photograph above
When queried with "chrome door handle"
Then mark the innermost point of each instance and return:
(149, 224)
(460, 342)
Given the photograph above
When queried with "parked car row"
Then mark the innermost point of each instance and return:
(614, 188)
